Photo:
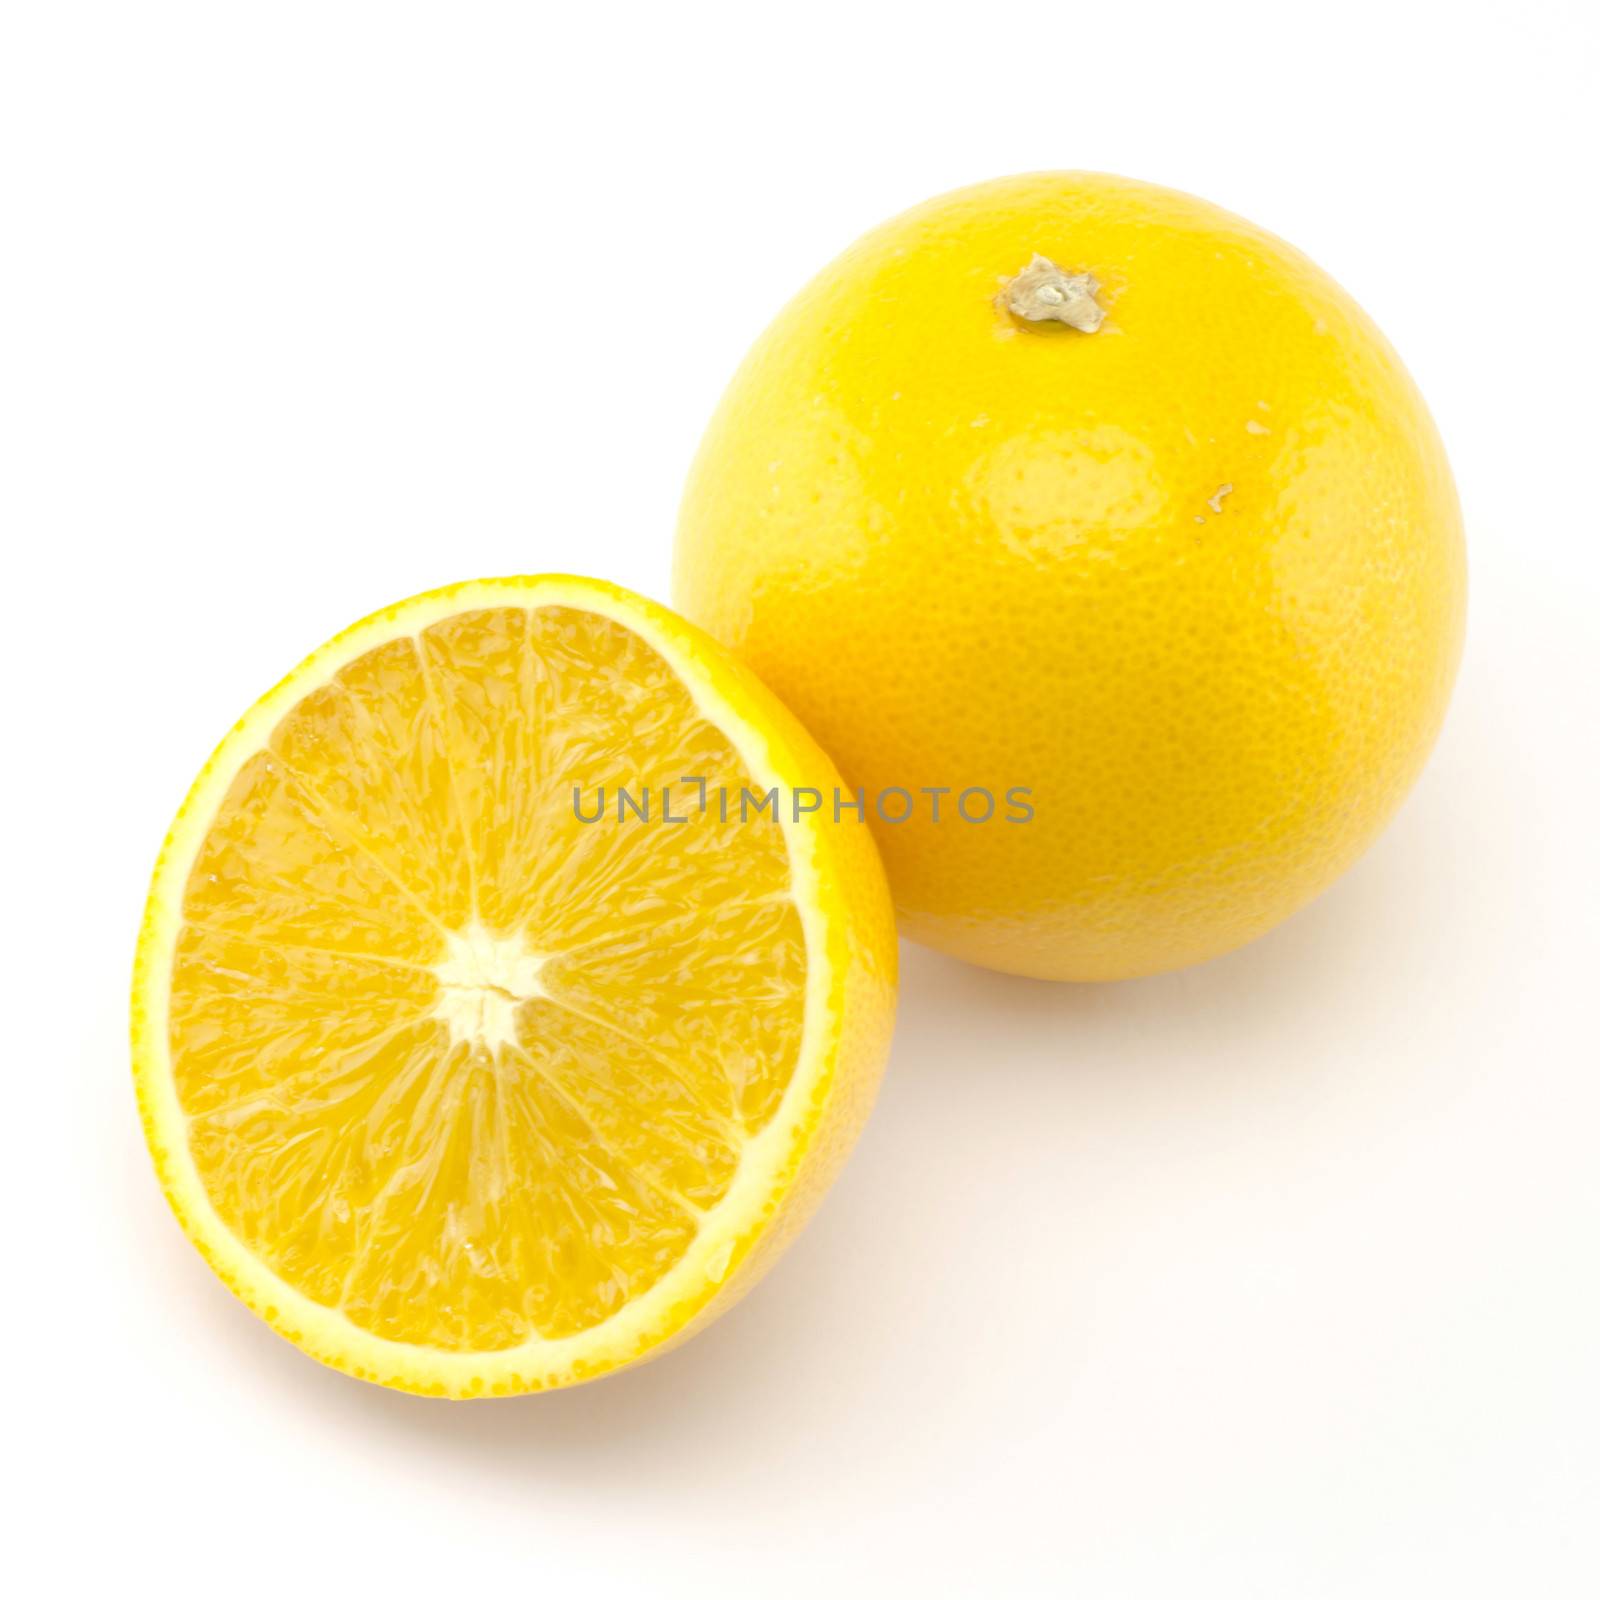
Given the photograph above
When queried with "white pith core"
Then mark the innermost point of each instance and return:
(483, 981)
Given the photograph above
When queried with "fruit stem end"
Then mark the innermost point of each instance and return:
(1042, 292)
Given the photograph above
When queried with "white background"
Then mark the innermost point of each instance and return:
(1274, 1278)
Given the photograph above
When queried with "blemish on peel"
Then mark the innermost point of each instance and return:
(1252, 426)
(1215, 502)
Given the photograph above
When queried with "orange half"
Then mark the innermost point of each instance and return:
(463, 1092)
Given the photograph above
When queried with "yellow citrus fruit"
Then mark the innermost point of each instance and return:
(463, 1092)
(1076, 485)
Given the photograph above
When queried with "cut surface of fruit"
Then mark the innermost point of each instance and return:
(466, 1075)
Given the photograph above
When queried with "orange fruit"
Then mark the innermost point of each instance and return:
(1074, 485)
(465, 1092)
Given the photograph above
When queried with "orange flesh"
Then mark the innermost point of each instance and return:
(455, 1062)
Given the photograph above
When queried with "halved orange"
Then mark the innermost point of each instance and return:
(504, 1001)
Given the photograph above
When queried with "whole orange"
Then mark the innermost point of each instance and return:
(1077, 486)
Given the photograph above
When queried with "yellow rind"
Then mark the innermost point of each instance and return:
(844, 908)
(1195, 582)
